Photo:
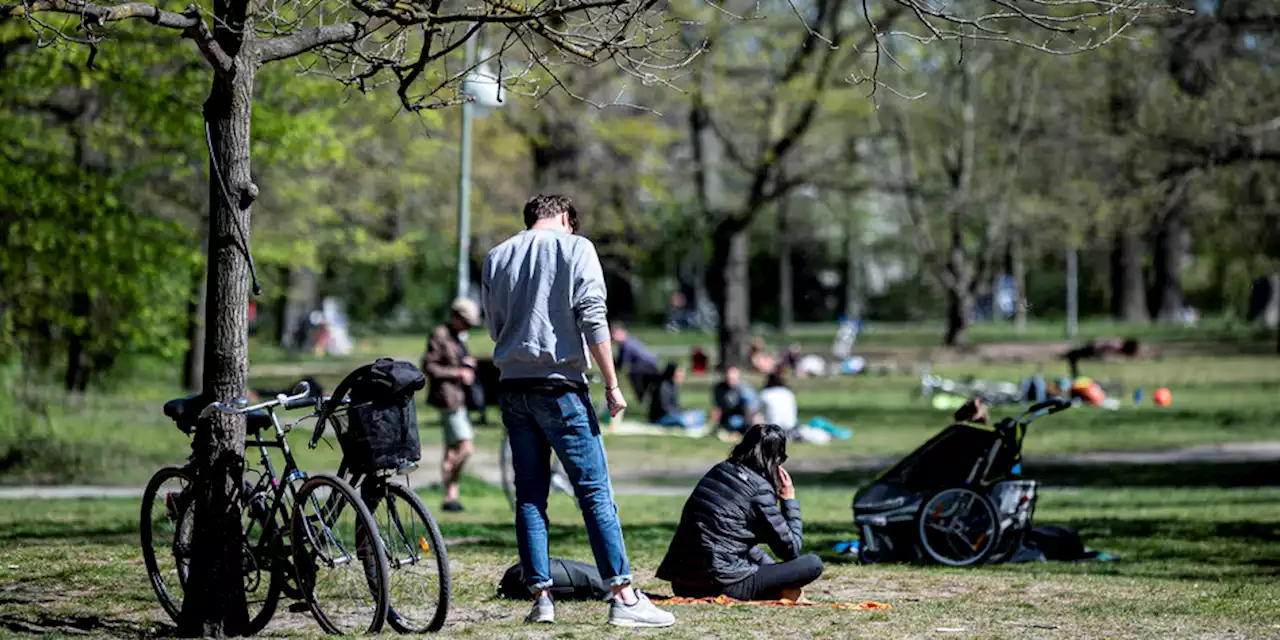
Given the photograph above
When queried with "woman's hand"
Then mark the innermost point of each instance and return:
(786, 490)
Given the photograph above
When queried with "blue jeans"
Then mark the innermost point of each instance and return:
(537, 423)
(688, 419)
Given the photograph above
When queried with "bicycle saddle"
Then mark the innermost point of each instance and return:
(184, 412)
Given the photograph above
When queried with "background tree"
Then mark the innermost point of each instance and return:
(372, 41)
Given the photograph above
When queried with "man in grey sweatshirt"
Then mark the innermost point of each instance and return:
(544, 294)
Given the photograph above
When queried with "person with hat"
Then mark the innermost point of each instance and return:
(451, 370)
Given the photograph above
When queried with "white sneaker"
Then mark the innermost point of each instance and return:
(544, 611)
(642, 614)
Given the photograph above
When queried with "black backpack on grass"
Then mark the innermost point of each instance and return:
(572, 580)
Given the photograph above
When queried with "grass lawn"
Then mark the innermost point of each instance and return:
(122, 437)
(1194, 563)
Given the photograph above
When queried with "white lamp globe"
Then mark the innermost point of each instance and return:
(482, 85)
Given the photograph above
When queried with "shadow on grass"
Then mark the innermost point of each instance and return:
(1109, 475)
(57, 625)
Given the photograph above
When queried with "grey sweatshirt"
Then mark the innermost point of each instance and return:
(544, 299)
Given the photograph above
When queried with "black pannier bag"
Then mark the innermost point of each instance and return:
(381, 430)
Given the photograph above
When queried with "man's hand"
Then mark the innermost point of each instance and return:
(466, 376)
(615, 400)
(786, 490)
(469, 362)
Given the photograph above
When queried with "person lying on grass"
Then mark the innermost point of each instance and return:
(734, 509)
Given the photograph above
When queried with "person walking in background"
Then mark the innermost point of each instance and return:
(733, 510)
(544, 298)
(451, 370)
(733, 402)
(634, 357)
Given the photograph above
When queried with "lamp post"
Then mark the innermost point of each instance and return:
(482, 87)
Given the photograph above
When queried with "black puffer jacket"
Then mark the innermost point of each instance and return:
(732, 510)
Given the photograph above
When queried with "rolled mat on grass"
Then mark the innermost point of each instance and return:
(726, 600)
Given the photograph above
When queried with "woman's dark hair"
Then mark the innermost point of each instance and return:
(763, 449)
(774, 380)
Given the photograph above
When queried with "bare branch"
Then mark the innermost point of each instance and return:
(280, 48)
(92, 14)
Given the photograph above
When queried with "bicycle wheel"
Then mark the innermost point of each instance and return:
(167, 529)
(420, 583)
(339, 558)
(959, 527)
(167, 525)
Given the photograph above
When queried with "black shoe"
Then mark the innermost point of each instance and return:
(454, 506)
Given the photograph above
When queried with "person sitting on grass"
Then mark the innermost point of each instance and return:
(664, 406)
(778, 403)
(733, 401)
(734, 509)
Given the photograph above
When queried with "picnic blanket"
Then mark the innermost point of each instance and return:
(726, 600)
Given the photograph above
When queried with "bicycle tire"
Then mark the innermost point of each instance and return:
(988, 541)
(378, 583)
(258, 621)
(171, 605)
(433, 544)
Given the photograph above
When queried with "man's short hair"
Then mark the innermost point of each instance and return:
(542, 207)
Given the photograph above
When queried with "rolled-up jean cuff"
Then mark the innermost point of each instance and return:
(620, 581)
(539, 586)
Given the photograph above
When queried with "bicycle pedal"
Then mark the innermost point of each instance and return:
(299, 607)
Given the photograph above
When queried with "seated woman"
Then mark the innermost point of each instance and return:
(733, 509)
(664, 406)
(778, 403)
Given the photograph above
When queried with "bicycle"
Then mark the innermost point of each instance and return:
(313, 539)
(414, 547)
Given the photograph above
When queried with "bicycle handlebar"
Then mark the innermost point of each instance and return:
(1041, 409)
(325, 410)
(297, 401)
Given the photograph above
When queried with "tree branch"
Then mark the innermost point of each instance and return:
(98, 15)
(283, 47)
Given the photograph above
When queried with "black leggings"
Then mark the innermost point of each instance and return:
(767, 583)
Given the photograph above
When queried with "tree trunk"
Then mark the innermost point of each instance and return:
(214, 604)
(193, 362)
(1128, 289)
(729, 288)
(1018, 265)
(852, 292)
(959, 315)
(1169, 253)
(785, 280)
(77, 358)
(300, 301)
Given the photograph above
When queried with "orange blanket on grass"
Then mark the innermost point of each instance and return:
(726, 600)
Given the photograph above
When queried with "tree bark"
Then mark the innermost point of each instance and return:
(730, 289)
(1169, 254)
(1128, 288)
(785, 280)
(214, 604)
